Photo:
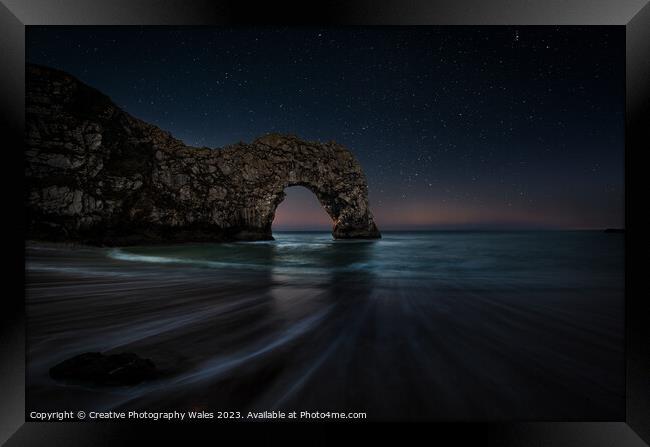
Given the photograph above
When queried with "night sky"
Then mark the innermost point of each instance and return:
(455, 127)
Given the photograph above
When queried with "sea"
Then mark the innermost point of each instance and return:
(430, 325)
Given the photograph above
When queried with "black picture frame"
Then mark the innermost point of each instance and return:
(15, 15)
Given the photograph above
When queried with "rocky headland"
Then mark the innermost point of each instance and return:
(97, 175)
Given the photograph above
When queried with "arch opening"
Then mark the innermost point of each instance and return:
(300, 209)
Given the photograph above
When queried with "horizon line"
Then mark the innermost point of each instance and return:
(315, 230)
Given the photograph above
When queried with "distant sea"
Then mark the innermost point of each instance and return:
(417, 325)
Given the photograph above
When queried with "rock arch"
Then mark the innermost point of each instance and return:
(327, 169)
(98, 175)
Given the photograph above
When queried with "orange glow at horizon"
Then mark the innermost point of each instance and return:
(301, 210)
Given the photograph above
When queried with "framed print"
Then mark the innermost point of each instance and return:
(345, 216)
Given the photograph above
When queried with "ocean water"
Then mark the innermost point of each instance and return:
(417, 325)
(532, 259)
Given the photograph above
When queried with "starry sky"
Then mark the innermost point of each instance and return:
(455, 127)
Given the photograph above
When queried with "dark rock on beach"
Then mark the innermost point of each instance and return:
(99, 369)
(97, 175)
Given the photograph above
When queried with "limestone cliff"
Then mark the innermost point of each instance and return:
(97, 175)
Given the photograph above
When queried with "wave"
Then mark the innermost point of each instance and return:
(288, 265)
(133, 257)
(85, 271)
